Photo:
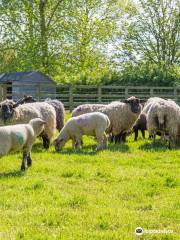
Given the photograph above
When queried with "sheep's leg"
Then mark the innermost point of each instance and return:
(135, 134)
(23, 165)
(118, 138)
(29, 160)
(73, 143)
(105, 142)
(78, 143)
(46, 141)
(143, 133)
(154, 136)
(124, 137)
(111, 138)
(100, 141)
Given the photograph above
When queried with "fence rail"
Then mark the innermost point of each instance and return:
(73, 96)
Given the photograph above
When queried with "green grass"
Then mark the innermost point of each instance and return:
(91, 195)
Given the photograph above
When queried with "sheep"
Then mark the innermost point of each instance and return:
(13, 114)
(20, 137)
(157, 118)
(58, 106)
(90, 124)
(151, 101)
(122, 116)
(86, 108)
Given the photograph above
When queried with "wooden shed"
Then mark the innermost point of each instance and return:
(32, 83)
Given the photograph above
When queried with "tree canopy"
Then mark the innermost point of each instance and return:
(93, 41)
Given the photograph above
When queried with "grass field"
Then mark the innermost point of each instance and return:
(88, 195)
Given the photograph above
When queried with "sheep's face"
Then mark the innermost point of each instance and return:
(7, 111)
(134, 103)
(59, 144)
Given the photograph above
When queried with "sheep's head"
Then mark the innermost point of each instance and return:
(59, 143)
(7, 110)
(134, 103)
(38, 125)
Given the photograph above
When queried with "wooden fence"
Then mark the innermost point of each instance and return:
(73, 96)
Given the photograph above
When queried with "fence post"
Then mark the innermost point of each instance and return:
(151, 92)
(4, 92)
(126, 93)
(71, 98)
(99, 94)
(39, 92)
(175, 94)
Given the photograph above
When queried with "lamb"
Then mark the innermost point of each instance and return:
(20, 137)
(90, 124)
(13, 114)
(141, 124)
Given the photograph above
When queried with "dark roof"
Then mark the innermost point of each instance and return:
(36, 77)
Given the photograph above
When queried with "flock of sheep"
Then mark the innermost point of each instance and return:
(23, 121)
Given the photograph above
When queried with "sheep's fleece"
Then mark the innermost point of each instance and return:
(20, 137)
(86, 108)
(14, 137)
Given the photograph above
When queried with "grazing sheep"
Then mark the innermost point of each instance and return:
(141, 124)
(90, 124)
(151, 101)
(20, 136)
(86, 108)
(13, 114)
(157, 118)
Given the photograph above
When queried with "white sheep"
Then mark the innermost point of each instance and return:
(20, 137)
(86, 108)
(13, 114)
(165, 118)
(90, 124)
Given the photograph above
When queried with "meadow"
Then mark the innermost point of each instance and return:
(91, 195)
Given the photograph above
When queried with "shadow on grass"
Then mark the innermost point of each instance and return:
(85, 150)
(91, 149)
(38, 148)
(11, 174)
(156, 147)
(118, 147)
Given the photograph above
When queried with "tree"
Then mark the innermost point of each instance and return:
(152, 36)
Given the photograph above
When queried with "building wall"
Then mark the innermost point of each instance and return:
(39, 91)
